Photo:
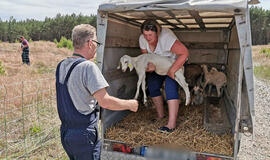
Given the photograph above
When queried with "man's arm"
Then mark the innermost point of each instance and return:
(112, 103)
(182, 52)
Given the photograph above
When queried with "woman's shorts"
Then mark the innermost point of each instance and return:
(155, 82)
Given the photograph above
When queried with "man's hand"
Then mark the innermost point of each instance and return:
(171, 73)
(150, 67)
(134, 105)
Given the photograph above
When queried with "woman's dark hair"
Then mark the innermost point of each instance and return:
(151, 25)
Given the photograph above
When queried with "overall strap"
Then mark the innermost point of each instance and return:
(72, 67)
(57, 71)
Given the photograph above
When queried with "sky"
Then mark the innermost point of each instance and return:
(39, 9)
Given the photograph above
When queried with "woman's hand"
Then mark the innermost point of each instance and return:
(150, 67)
(171, 73)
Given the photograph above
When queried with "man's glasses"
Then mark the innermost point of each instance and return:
(98, 43)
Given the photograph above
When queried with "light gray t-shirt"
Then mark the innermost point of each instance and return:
(84, 81)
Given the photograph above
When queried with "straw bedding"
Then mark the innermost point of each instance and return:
(137, 129)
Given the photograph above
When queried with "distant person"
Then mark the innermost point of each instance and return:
(79, 86)
(25, 50)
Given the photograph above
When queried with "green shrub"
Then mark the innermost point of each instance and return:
(55, 41)
(2, 69)
(265, 51)
(65, 43)
(262, 72)
(35, 129)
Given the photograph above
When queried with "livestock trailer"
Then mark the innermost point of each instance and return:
(216, 32)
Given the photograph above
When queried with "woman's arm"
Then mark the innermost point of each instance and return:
(182, 52)
(150, 66)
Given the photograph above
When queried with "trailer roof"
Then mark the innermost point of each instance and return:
(177, 14)
(199, 5)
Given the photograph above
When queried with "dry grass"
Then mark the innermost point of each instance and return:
(44, 57)
(138, 130)
(258, 57)
(27, 96)
(261, 61)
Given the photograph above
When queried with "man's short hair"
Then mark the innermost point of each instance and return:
(81, 34)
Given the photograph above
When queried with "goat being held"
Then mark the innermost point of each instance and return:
(162, 64)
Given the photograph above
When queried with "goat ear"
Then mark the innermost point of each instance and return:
(130, 67)
(119, 66)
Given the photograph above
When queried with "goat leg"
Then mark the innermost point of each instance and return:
(138, 85)
(204, 85)
(218, 90)
(143, 88)
(209, 89)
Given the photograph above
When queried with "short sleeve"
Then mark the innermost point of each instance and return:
(142, 42)
(24, 42)
(167, 39)
(93, 78)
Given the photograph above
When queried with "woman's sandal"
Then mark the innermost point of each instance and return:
(165, 129)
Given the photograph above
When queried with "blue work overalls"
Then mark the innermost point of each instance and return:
(79, 134)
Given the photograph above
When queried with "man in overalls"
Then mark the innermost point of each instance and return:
(79, 86)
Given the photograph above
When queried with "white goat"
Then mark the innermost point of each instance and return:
(214, 77)
(162, 64)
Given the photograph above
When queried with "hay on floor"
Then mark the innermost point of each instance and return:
(137, 129)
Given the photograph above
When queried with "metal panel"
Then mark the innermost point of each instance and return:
(218, 56)
(208, 36)
(243, 30)
(101, 35)
(121, 34)
(248, 70)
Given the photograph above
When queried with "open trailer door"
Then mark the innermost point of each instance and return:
(245, 101)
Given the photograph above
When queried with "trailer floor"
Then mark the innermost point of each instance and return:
(137, 129)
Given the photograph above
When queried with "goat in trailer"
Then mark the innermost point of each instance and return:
(214, 77)
(162, 64)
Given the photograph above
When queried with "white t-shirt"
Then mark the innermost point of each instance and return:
(165, 41)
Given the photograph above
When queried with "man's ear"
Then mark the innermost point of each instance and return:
(119, 65)
(130, 66)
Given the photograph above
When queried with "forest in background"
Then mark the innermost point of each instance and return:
(48, 30)
(62, 25)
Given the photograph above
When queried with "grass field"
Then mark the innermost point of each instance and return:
(261, 59)
(29, 122)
